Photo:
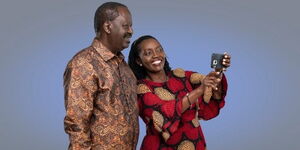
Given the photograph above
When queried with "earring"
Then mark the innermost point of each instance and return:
(141, 65)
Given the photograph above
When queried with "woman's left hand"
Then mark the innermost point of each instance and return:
(226, 61)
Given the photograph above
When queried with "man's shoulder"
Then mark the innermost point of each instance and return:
(83, 56)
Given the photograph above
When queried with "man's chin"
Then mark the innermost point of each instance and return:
(126, 45)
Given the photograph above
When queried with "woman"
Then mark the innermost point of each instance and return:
(172, 101)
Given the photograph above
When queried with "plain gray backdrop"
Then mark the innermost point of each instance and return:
(39, 37)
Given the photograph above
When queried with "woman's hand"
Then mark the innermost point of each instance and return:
(212, 80)
(226, 61)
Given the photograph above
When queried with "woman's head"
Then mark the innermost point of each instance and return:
(147, 55)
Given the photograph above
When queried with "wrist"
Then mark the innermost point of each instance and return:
(200, 90)
(188, 99)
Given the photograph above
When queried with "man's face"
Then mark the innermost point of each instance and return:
(121, 30)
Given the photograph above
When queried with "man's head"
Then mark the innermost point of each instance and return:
(113, 25)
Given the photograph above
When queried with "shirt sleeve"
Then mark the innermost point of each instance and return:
(80, 87)
(160, 115)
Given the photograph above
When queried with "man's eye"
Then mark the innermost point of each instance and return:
(126, 26)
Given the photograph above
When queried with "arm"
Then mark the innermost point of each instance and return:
(191, 98)
(79, 90)
(210, 105)
(210, 110)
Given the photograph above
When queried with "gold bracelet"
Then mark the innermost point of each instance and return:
(187, 96)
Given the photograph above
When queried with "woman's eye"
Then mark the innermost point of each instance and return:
(147, 53)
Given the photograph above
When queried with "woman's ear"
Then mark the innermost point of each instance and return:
(139, 62)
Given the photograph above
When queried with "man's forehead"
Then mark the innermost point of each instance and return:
(123, 10)
(124, 13)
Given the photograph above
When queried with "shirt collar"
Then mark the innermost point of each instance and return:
(104, 52)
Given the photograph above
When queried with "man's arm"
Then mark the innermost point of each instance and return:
(79, 90)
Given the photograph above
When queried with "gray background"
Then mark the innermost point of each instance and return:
(38, 37)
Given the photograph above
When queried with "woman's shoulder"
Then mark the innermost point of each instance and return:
(143, 88)
(179, 72)
(182, 73)
(193, 76)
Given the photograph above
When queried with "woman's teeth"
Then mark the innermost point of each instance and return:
(156, 62)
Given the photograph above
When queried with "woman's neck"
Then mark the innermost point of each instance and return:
(157, 76)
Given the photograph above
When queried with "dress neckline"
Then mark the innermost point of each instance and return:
(150, 82)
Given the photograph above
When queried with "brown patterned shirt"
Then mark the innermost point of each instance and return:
(100, 101)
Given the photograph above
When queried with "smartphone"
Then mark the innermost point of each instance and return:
(216, 61)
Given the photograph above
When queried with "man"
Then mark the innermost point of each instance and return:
(100, 88)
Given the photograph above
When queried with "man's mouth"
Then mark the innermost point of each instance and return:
(127, 39)
(127, 36)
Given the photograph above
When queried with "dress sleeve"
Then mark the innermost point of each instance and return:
(212, 108)
(79, 96)
(159, 110)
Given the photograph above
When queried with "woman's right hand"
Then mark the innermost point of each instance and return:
(212, 80)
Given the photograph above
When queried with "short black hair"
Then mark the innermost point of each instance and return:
(140, 71)
(106, 12)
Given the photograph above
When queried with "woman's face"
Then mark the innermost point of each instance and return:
(152, 56)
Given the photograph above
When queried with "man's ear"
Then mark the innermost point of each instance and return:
(107, 27)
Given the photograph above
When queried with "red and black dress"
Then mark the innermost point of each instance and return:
(160, 106)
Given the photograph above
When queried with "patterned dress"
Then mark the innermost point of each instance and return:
(160, 106)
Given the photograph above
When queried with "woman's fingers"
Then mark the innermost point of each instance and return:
(212, 86)
(226, 60)
(213, 74)
(212, 81)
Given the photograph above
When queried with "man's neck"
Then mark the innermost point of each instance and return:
(104, 42)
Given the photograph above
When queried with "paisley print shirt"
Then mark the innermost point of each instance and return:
(100, 101)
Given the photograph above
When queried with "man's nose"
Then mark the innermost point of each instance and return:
(130, 30)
